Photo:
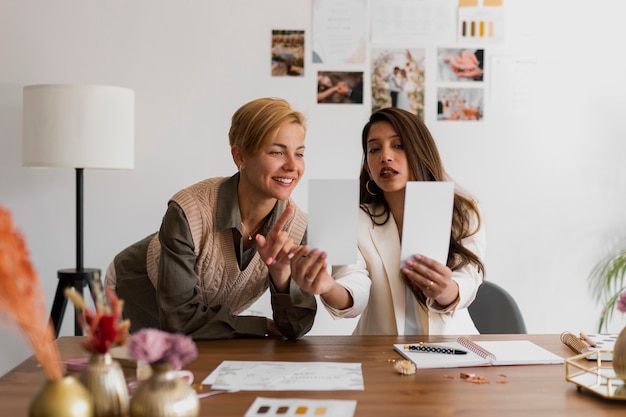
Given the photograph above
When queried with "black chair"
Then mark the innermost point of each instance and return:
(494, 311)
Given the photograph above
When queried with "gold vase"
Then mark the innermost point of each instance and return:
(164, 394)
(104, 379)
(619, 355)
(64, 397)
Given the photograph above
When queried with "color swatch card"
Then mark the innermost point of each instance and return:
(333, 219)
(482, 22)
(287, 407)
(427, 220)
(286, 376)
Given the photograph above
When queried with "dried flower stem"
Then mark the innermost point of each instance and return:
(22, 300)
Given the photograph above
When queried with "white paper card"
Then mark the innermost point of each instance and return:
(333, 218)
(427, 220)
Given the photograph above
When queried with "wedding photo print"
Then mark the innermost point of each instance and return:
(460, 64)
(398, 79)
(287, 53)
(460, 103)
(340, 87)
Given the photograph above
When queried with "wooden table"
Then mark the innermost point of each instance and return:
(537, 390)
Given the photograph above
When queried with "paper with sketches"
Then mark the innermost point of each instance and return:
(413, 21)
(290, 376)
(427, 219)
(333, 219)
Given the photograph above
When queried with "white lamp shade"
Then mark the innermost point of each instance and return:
(78, 126)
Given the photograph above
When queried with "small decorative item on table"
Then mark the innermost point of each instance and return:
(619, 350)
(165, 393)
(589, 372)
(404, 367)
(105, 330)
(606, 380)
(619, 355)
(22, 303)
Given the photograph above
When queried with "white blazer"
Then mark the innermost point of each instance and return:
(379, 292)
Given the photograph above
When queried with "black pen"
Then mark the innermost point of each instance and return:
(422, 347)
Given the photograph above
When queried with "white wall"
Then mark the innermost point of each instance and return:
(549, 173)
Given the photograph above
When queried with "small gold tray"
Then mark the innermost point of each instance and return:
(594, 375)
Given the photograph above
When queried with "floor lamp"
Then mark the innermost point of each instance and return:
(77, 126)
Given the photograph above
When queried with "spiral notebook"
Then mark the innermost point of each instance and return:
(481, 353)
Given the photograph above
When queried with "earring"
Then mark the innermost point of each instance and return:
(367, 187)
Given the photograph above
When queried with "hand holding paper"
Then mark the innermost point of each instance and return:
(427, 219)
(332, 238)
(426, 238)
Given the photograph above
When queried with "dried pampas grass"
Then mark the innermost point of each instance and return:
(22, 300)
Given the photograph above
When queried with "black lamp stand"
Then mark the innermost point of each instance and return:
(78, 277)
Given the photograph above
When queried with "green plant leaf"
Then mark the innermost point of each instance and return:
(606, 282)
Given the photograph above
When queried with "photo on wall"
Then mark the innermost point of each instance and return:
(460, 64)
(340, 87)
(460, 104)
(398, 79)
(287, 53)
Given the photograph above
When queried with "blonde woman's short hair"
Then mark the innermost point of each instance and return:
(255, 124)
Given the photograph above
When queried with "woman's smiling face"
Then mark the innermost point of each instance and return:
(278, 167)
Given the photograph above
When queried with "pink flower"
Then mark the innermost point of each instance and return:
(148, 345)
(621, 302)
(182, 350)
(153, 345)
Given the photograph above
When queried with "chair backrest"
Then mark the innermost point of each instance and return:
(494, 311)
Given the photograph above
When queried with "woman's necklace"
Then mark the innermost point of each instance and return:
(243, 229)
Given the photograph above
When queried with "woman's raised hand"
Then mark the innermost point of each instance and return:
(275, 248)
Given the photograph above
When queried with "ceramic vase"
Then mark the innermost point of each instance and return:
(164, 394)
(619, 355)
(104, 379)
(65, 397)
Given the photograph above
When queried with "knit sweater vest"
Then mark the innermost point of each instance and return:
(220, 282)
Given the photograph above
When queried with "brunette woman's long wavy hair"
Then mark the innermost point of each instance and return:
(425, 163)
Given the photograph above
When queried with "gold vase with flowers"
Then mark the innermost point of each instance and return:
(165, 393)
(104, 329)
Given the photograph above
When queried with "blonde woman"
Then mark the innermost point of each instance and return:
(224, 241)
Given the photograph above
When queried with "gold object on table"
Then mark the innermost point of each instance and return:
(164, 394)
(104, 379)
(619, 355)
(65, 397)
(594, 375)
